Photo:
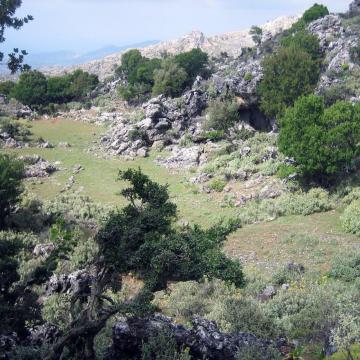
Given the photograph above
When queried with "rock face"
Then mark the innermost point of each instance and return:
(336, 42)
(165, 120)
(204, 340)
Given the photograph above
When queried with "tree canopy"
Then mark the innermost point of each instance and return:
(323, 141)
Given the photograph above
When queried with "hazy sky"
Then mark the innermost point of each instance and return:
(90, 24)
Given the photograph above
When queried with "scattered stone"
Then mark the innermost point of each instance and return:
(268, 293)
(77, 168)
(37, 167)
(43, 249)
(64, 145)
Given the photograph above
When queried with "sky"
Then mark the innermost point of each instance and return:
(85, 25)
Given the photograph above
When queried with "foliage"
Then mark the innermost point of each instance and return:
(284, 171)
(168, 76)
(305, 41)
(346, 266)
(162, 346)
(152, 252)
(16, 307)
(31, 89)
(221, 115)
(11, 174)
(300, 203)
(137, 134)
(170, 80)
(8, 20)
(324, 142)
(14, 128)
(6, 87)
(217, 185)
(194, 62)
(252, 352)
(350, 219)
(256, 34)
(288, 74)
(56, 311)
(34, 89)
(317, 11)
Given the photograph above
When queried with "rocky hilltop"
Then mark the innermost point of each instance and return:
(231, 43)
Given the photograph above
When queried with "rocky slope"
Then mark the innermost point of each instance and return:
(232, 43)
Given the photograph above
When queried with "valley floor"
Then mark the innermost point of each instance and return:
(311, 240)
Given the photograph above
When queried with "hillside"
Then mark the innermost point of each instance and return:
(198, 206)
(232, 43)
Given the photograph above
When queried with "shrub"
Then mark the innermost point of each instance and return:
(248, 76)
(288, 74)
(351, 218)
(31, 88)
(346, 266)
(11, 174)
(256, 34)
(305, 41)
(221, 115)
(243, 315)
(170, 80)
(284, 171)
(56, 310)
(6, 87)
(194, 62)
(137, 134)
(317, 11)
(322, 141)
(217, 185)
(253, 352)
(213, 135)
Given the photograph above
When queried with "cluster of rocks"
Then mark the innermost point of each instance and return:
(204, 340)
(8, 142)
(166, 121)
(76, 283)
(37, 167)
(13, 108)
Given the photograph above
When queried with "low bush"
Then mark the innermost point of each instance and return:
(217, 185)
(222, 115)
(346, 266)
(6, 87)
(351, 218)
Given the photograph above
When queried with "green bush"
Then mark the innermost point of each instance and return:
(137, 134)
(170, 80)
(317, 11)
(324, 142)
(221, 115)
(351, 218)
(288, 74)
(284, 171)
(56, 310)
(31, 88)
(305, 41)
(217, 185)
(11, 174)
(346, 266)
(6, 87)
(194, 62)
(253, 352)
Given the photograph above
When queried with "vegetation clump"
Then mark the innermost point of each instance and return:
(323, 141)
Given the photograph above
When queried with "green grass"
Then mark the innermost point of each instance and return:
(310, 240)
(98, 179)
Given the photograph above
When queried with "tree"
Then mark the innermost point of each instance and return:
(324, 142)
(256, 34)
(194, 62)
(304, 41)
(58, 89)
(11, 174)
(142, 239)
(170, 80)
(288, 74)
(31, 88)
(81, 84)
(317, 11)
(8, 20)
